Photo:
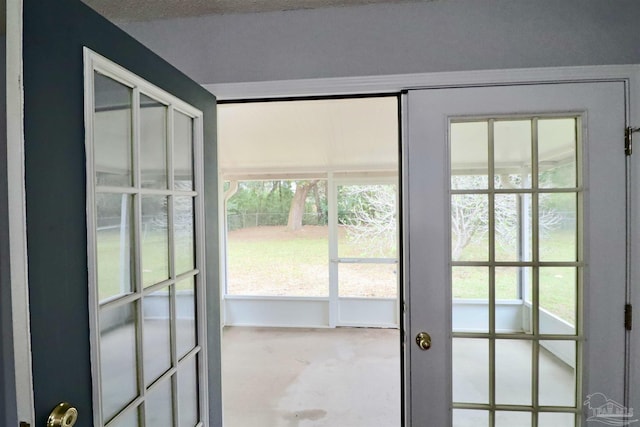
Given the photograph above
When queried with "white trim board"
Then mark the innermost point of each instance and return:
(399, 82)
(17, 214)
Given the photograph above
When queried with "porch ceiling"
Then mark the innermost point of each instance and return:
(259, 140)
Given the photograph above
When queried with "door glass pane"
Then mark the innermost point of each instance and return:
(557, 373)
(503, 261)
(470, 292)
(153, 143)
(512, 154)
(157, 336)
(368, 280)
(112, 132)
(513, 419)
(513, 228)
(513, 372)
(188, 394)
(469, 227)
(470, 370)
(130, 419)
(145, 252)
(118, 358)
(552, 419)
(557, 144)
(367, 221)
(155, 240)
(182, 151)
(470, 418)
(469, 155)
(508, 283)
(114, 245)
(185, 316)
(183, 220)
(558, 228)
(558, 304)
(158, 407)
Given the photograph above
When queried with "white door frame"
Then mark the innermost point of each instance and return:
(17, 215)
(630, 74)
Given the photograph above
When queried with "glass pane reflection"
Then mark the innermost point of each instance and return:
(114, 245)
(557, 143)
(112, 132)
(155, 240)
(513, 419)
(549, 419)
(183, 151)
(557, 377)
(153, 143)
(470, 370)
(157, 336)
(470, 418)
(158, 407)
(469, 155)
(513, 372)
(186, 316)
(118, 358)
(183, 221)
(469, 227)
(188, 393)
(512, 154)
(130, 419)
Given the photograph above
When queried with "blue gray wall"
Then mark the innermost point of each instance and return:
(451, 35)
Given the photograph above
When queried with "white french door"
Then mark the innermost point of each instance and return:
(515, 258)
(146, 285)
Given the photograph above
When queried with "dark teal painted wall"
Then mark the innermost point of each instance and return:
(55, 32)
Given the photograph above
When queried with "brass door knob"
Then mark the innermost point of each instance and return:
(423, 340)
(63, 415)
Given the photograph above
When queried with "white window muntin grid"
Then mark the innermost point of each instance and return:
(94, 62)
(535, 336)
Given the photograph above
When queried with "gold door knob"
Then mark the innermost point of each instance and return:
(63, 415)
(423, 340)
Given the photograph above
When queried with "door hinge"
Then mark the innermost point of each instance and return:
(628, 317)
(628, 139)
(24, 424)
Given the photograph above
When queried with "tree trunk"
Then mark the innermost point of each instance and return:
(319, 211)
(296, 211)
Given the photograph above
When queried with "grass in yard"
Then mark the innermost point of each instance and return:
(274, 262)
(115, 270)
(557, 284)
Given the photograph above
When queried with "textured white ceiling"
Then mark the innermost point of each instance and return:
(146, 10)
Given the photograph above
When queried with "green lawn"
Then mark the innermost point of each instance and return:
(557, 284)
(115, 270)
(274, 261)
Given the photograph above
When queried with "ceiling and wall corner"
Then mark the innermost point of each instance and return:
(147, 10)
(397, 38)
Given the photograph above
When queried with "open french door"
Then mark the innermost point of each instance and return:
(122, 310)
(515, 255)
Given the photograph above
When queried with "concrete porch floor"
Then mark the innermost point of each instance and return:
(276, 377)
(350, 377)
